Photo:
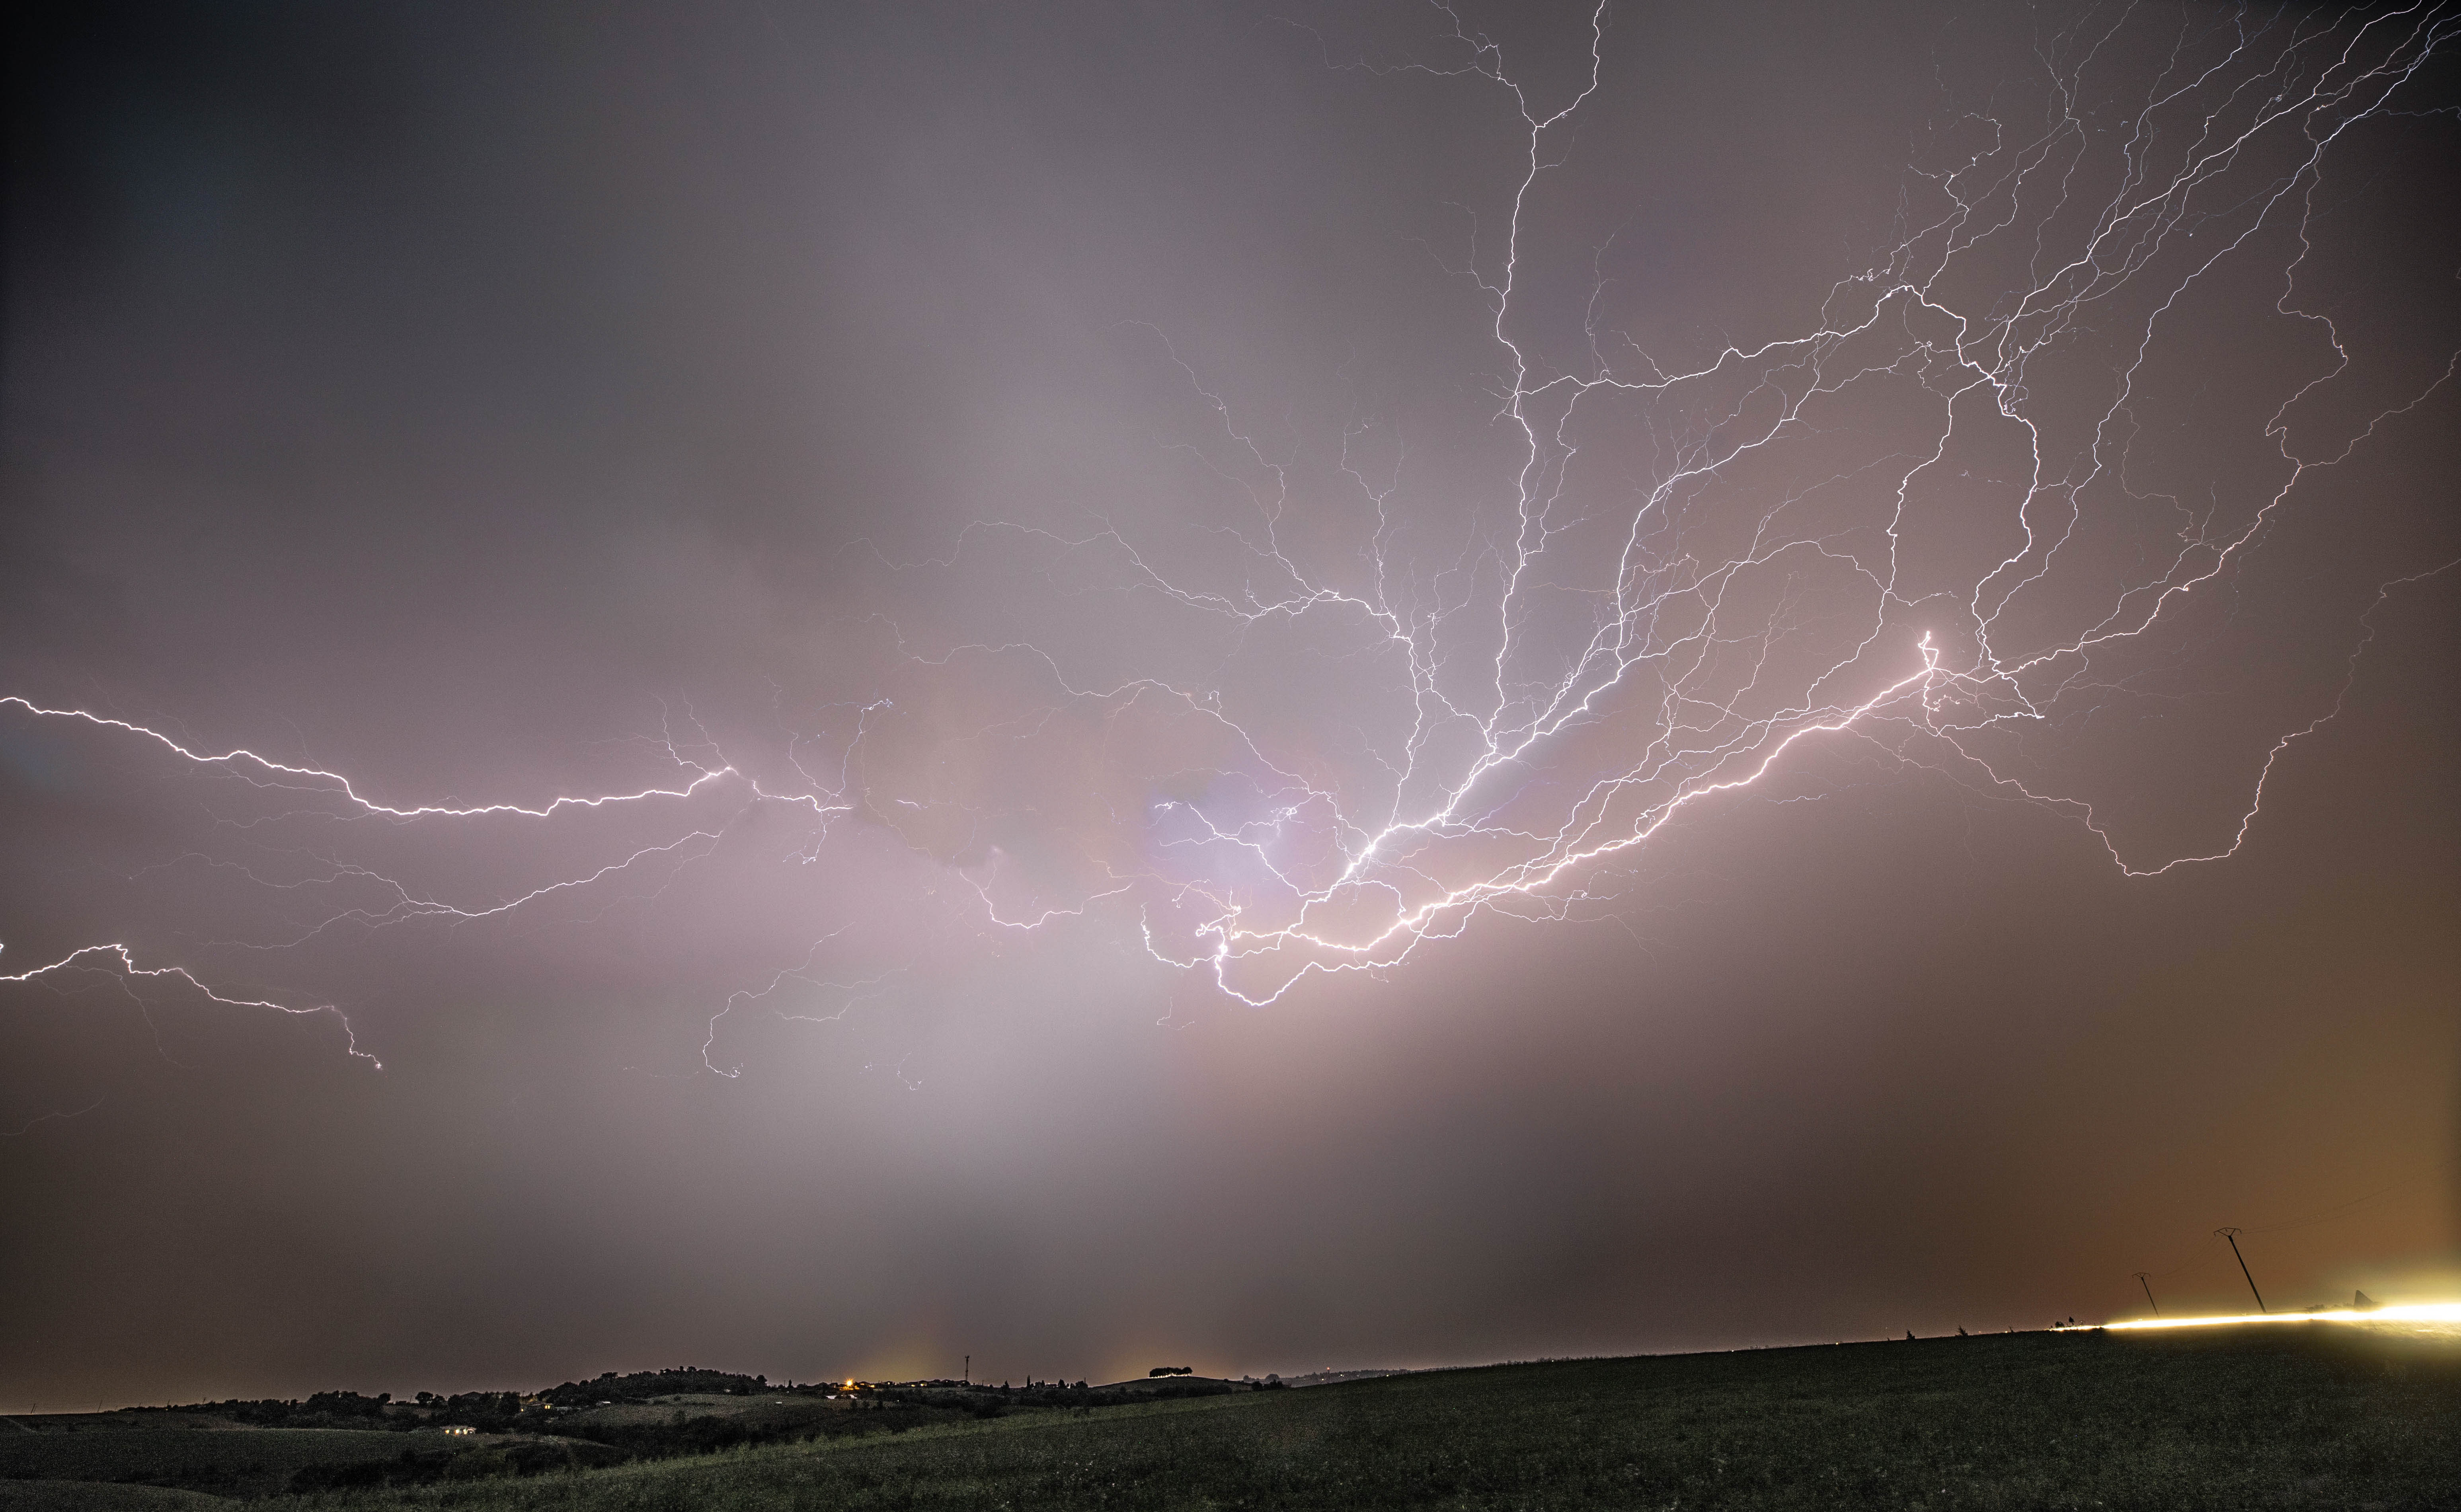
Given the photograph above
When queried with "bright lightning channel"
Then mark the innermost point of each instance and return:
(1526, 768)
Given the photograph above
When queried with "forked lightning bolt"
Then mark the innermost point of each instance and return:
(1595, 659)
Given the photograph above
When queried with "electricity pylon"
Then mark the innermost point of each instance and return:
(2148, 1293)
(2231, 1234)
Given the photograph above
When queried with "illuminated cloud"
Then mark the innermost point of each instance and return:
(810, 560)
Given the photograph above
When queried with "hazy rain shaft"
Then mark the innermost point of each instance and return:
(819, 689)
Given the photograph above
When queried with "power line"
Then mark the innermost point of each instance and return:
(2431, 1172)
(2321, 1215)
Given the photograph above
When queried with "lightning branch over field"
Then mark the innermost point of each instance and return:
(1925, 529)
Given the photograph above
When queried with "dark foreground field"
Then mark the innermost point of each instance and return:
(2310, 1417)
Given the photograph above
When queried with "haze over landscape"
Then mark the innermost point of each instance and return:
(1273, 688)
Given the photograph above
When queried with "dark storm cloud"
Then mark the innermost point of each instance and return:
(1041, 490)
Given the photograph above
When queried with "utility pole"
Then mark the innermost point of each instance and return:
(2148, 1293)
(969, 1369)
(2231, 1234)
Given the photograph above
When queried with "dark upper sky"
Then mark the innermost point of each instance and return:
(1278, 685)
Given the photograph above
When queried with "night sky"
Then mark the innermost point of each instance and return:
(812, 689)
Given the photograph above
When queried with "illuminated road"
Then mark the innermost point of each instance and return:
(2430, 1312)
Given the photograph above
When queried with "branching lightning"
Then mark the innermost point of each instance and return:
(1611, 649)
(118, 960)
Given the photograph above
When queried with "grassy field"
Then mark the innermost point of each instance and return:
(88, 1496)
(2314, 1417)
(241, 1463)
(178, 1459)
(2292, 1418)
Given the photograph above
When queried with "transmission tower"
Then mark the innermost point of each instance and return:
(2148, 1293)
(2231, 1234)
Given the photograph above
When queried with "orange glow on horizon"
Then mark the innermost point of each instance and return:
(2409, 1312)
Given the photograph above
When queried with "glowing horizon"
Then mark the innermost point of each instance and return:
(2389, 1312)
